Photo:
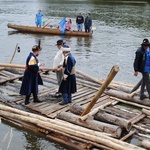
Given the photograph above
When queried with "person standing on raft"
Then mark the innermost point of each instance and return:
(31, 77)
(142, 64)
(68, 84)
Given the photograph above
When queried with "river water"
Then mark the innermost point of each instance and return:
(120, 28)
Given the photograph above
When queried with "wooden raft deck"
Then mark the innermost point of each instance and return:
(50, 106)
(86, 89)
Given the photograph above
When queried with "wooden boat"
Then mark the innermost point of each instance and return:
(102, 128)
(49, 31)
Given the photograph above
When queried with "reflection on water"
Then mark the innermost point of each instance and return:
(16, 139)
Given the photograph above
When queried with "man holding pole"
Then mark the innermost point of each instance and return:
(142, 64)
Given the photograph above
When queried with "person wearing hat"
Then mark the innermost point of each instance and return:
(57, 65)
(31, 77)
(142, 64)
(68, 84)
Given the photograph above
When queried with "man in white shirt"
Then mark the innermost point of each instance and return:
(57, 64)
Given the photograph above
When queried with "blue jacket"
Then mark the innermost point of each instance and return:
(140, 59)
(31, 77)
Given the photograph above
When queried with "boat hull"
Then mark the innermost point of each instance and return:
(32, 29)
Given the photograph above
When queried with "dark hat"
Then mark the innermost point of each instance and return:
(59, 42)
(145, 42)
(36, 48)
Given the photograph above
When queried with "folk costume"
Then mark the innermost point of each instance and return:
(142, 64)
(31, 77)
(68, 84)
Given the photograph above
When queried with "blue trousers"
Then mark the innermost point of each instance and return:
(67, 97)
(79, 27)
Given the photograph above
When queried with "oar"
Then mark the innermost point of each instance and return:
(47, 24)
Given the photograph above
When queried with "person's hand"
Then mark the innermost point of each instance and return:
(59, 69)
(42, 64)
(135, 73)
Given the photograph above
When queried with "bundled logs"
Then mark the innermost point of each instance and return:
(112, 130)
(67, 128)
(103, 116)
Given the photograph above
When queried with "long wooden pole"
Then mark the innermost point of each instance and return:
(110, 77)
(14, 53)
(21, 66)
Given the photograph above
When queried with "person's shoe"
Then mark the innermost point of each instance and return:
(26, 102)
(142, 97)
(63, 103)
(36, 99)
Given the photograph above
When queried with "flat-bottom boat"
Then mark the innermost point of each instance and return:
(50, 31)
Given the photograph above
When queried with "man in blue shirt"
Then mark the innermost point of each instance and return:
(142, 64)
(38, 19)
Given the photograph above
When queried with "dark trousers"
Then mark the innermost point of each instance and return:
(87, 28)
(145, 82)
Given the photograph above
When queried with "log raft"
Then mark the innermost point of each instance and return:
(107, 132)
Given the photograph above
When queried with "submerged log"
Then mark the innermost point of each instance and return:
(103, 116)
(110, 77)
(103, 139)
(113, 130)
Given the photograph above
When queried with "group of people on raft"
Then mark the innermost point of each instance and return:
(64, 66)
(79, 21)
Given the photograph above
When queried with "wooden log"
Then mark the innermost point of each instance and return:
(145, 111)
(21, 66)
(114, 131)
(130, 103)
(73, 130)
(141, 129)
(110, 77)
(94, 111)
(103, 116)
(120, 113)
(146, 143)
(133, 93)
(77, 109)
(128, 135)
(110, 142)
(124, 96)
(137, 118)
